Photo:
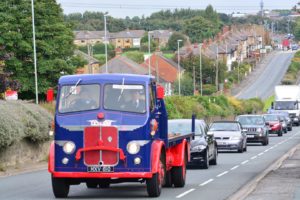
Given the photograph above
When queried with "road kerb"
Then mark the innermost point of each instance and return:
(244, 191)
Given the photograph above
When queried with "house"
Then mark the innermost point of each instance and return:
(92, 66)
(164, 69)
(83, 38)
(127, 39)
(123, 65)
(161, 37)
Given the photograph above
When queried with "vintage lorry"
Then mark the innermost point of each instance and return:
(113, 128)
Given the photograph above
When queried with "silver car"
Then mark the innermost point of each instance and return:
(229, 135)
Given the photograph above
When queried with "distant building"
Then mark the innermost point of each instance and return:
(83, 38)
(161, 36)
(127, 39)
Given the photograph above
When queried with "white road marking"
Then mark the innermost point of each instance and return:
(222, 174)
(185, 193)
(206, 182)
(253, 157)
(245, 162)
(260, 154)
(234, 167)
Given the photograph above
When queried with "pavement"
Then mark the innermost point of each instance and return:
(269, 73)
(281, 183)
(233, 172)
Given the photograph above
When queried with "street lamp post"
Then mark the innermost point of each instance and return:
(105, 43)
(178, 62)
(34, 54)
(149, 52)
(200, 52)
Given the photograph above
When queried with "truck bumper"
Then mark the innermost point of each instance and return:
(102, 175)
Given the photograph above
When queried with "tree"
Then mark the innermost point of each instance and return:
(297, 29)
(199, 28)
(186, 85)
(172, 42)
(54, 40)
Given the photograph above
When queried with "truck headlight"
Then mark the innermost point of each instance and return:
(133, 147)
(69, 147)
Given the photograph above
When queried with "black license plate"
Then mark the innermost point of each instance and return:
(100, 169)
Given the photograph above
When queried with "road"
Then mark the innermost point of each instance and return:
(263, 85)
(218, 182)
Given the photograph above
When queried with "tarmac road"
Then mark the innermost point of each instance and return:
(263, 85)
(218, 182)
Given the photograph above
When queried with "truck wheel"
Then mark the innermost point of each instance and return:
(155, 183)
(214, 160)
(60, 187)
(168, 179)
(206, 160)
(179, 174)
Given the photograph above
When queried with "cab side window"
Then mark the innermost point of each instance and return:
(152, 98)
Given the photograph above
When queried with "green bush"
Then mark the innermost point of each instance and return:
(209, 89)
(20, 120)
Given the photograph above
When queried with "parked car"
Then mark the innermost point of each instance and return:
(274, 123)
(256, 128)
(229, 135)
(203, 147)
(286, 115)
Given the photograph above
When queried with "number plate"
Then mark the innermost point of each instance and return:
(100, 169)
(250, 136)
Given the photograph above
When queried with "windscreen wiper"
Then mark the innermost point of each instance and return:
(74, 88)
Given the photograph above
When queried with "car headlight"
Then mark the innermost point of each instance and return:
(69, 147)
(198, 148)
(259, 130)
(235, 138)
(133, 147)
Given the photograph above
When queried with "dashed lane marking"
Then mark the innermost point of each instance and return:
(222, 174)
(206, 182)
(252, 158)
(185, 193)
(260, 154)
(245, 162)
(234, 167)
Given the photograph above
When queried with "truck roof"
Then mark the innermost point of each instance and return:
(69, 79)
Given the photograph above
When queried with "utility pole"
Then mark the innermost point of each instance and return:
(105, 40)
(149, 52)
(178, 62)
(194, 79)
(34, 54)
(200, 54)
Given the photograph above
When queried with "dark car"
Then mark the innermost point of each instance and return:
(203, 147)
(229, 135)
(274, 124)
(256, 128)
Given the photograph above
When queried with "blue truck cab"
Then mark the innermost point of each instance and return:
(112, 128)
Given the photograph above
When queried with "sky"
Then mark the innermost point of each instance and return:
(131, 8)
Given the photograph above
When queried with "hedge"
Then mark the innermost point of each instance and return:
(20, 120)
(209, 106)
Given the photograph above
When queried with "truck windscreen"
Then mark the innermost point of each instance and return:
(286, 105)
(126, 98)
(75, 98)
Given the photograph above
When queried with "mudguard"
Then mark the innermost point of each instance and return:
(51, 158)
(156, 148)
(178, 152)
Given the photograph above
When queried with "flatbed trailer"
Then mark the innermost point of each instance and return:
(101, 139)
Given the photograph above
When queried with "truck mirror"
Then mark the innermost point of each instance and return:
(160, 92)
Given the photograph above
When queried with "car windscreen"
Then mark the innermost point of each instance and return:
(286, 105)
(183, 127)
(224, 127)
(75, 98)
(125, 98)
(251, 120)
(271, 118)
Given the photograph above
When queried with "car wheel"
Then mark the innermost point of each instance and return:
(214, 160)
(285, 130)
(206, 160)
(245, 149)
(289, 128)
(265, 142)
(280, 133)
(240, 149)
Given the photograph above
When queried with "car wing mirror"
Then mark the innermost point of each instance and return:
(244, 130)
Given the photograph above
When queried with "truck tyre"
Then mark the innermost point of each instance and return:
(214, 160)
(206, 160)
(168, 182)
(155, 183)
(60, 187)
(179, 174)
